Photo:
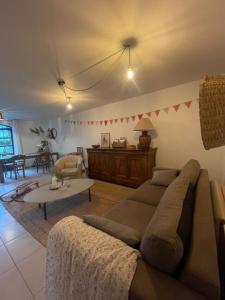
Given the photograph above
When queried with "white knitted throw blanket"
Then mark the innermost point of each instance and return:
(85, 263)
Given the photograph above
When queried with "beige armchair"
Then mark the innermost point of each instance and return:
(69, 166)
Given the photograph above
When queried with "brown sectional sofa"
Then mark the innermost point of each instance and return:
(199, 276)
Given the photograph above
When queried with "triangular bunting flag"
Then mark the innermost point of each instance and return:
(166, 109)
(157, 112)
(81, 122)
(176, 107)
(188, 103)
(92, 122)
(121, 120)
(101, 122)
(115, 120)
(111, 121)
(140, 116)
(106, 121)
(88, 122)
(133, 118)
(148, 114)
(127, 119)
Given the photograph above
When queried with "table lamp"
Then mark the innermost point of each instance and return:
(144, 125)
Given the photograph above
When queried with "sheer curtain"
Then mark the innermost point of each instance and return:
(16, 137)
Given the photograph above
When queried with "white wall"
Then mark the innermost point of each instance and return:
(178, 133)
(26, 142)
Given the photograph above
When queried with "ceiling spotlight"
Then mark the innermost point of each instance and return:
(69, 105)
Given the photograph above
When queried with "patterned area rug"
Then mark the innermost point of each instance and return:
(30, 216)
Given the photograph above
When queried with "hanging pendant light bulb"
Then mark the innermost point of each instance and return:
(69, 105)
(130, 72)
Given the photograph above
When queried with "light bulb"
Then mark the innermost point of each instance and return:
(130, 73)
(69, 106)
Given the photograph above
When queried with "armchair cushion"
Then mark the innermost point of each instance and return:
(70, 164)
(69, 171)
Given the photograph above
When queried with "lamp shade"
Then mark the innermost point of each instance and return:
(144, 124)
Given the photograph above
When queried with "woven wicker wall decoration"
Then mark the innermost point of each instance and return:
(212, 111)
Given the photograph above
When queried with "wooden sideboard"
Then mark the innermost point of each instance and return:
(122, 166)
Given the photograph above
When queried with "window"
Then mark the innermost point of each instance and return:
(6, 140)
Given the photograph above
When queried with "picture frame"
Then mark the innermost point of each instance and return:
(105, 140)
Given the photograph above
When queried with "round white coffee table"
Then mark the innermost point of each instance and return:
(44, 195)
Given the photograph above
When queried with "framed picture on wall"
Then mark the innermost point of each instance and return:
(105, 140)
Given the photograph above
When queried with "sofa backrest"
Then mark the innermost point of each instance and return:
(200, 270)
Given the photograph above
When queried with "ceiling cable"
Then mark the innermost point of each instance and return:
(121, 51)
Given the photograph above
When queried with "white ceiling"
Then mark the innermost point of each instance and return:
(179, 41)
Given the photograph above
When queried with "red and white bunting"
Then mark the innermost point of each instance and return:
(188, 103)
(176, 107)
(157, 112)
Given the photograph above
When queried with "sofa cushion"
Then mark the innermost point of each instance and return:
(150, 284)
(163, 177)
(161, 245)
(69, 171)
(191, 171)
(122, 232)
(133, 214)
(148, 193)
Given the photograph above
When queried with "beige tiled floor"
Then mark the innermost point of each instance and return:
(22, 262)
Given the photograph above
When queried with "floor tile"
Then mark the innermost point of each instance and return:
(11, 230)
(5, 217)
(12, 286)
(22, 247)
(33, 270)
(40, 295)
(6, 262)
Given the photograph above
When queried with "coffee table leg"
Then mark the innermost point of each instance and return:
(45, 211)
(89, 193)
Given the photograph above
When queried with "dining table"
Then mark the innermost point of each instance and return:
(9, 158)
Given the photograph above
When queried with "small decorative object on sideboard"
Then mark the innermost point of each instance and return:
(120, 143)
(95, 146)
(105, 140)
(144, 125)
